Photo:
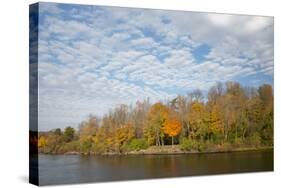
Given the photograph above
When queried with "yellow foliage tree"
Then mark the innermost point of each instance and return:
(216, 125)
(42, 142)
(100, 142)
(124, 134)
(196, 119)
(157, 116)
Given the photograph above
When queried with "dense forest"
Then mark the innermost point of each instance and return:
(228, 117)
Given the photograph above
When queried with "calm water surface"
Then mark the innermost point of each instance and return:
(65, 169)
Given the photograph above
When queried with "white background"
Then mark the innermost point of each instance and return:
(14, 92)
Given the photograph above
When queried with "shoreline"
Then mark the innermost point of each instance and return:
(203, 152)
(163, 151)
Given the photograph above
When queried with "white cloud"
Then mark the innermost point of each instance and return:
(144, 43)
(49, 8)
(258, 23)
(221, 19)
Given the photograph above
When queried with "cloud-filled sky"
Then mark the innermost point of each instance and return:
(92, 58)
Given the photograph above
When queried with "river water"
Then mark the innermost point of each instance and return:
(66, 169)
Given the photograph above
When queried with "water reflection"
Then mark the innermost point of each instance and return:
(59, 169)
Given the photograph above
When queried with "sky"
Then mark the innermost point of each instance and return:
(94, 58)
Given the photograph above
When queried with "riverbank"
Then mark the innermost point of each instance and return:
(166, 150)
(176, 150)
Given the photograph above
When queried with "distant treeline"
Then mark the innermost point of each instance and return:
(231, 116)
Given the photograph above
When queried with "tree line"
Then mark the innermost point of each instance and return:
(231, 116)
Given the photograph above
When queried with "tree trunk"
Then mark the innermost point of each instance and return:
(157, 139)
(236, 131)
(244, 132)
(225, 131)
(172, 141)
(188, 130)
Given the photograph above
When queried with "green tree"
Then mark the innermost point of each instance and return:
(68, 134)
(58, 132)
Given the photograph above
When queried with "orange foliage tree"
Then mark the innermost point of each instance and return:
(172, 127)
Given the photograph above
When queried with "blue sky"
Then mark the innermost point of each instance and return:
(93, 58)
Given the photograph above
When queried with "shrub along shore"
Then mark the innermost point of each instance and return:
(230, 118)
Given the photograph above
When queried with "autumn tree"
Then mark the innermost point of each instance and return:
(42, 142)
(120, 115)
(196, 119)
(124, 134)
(265, 93)
(172, 127)
(215, 121)
(87, 130)
(157, 116)
(180, 106)
(215, 106)
(99, 140)
(139, 116)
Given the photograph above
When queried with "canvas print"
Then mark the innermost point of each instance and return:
(131, 93)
